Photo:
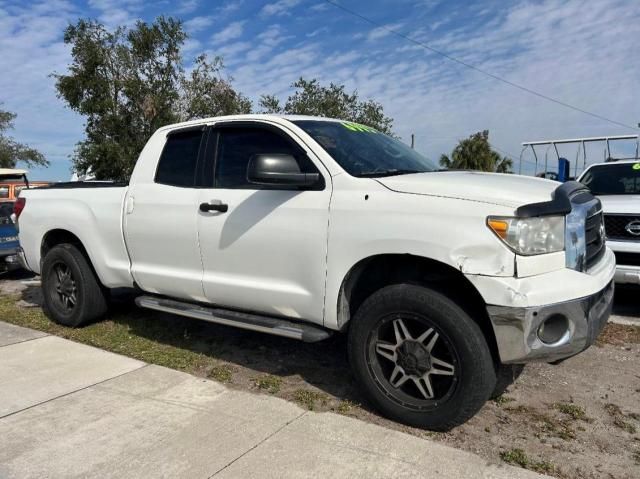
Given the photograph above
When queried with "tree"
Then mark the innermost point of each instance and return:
(206, 93)
(475, 153)
(312, 98)
(11, 152)
(130, 82)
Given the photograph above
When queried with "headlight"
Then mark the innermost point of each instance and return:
(530, 236)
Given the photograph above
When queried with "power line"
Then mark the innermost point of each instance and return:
(473, 67)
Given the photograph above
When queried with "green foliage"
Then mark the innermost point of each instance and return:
(312, 98)
(11, 152)
(130, 82)
(475, 153)
(269, 383)
(206, 93)
(519, 457)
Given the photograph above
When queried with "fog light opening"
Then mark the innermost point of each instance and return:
(552, 329)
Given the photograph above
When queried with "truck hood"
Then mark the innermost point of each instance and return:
(493, 188)
(627, 204)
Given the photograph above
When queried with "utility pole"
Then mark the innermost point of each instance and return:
(413, 139)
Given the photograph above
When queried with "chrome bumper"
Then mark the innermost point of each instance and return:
(516, 329)
(627, 274)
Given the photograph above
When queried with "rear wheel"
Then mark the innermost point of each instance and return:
(420, 358)
(71, 291)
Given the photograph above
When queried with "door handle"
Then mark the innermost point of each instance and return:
(211, 206)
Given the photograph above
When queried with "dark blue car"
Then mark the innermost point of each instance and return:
(8, 238)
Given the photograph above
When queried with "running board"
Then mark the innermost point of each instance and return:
(254, 322)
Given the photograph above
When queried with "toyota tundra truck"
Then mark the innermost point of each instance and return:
(444, 281)
(617, 186)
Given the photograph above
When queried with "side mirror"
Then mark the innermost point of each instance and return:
(278, 170)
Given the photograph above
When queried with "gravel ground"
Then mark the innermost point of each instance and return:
(579, 419)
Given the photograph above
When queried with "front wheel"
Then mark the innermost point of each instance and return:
(71, 291)
(420, 358)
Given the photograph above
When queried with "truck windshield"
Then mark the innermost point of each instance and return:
(363, 151)
(613, 179)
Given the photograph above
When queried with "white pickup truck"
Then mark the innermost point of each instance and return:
(617, 185)
(303, 226)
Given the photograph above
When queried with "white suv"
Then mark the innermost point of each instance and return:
(617, 184)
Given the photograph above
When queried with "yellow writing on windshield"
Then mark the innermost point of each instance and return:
(358, 127)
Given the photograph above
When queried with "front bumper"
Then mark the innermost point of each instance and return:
(627, 274)
(516, 328)
(9, 259)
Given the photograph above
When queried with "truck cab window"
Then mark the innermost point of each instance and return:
(177, 164)
(237, 145)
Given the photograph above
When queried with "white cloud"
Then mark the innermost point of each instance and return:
(187, 6)
(115, 13)
(230, 32)
(319, 7)
(196, 24)
(231, 7)
(383, 31)
(281, 7)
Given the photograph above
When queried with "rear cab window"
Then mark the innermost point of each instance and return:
(179, 158)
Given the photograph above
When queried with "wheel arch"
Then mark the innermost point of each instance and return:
(60, 236)
(375, 272)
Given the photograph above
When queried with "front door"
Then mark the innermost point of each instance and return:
(267, 251)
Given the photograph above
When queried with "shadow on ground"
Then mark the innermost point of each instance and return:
(627, 300)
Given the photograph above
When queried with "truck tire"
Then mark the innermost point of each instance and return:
(506, 375)
(72, 294)
(419, 358)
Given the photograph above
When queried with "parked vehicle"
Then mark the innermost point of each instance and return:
(301, 226)
(8, 239)
(12, 181)
(617, 185)
(9, 177)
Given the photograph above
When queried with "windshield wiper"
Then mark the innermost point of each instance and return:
(380, 174)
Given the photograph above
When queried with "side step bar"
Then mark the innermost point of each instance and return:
(254, 322)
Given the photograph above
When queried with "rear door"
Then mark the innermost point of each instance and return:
(161, 221)
(267, 252)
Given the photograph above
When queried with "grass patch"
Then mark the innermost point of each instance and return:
(519, 458)
(545, 425)
(222, 374)
(269, 383)
(619, 418)
(573, 410)
(502, 400)
(308, 399)
(345, 406)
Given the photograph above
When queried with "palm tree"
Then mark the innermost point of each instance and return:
(475, 153)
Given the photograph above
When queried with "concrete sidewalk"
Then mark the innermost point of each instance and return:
(70, 410)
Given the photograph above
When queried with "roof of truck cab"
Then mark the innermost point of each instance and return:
(253, 116)
(12, 171)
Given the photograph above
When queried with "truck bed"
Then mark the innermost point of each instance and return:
(90, 211)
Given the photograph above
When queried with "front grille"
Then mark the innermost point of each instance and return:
(616, 226)
(594, 239)
(628, 259)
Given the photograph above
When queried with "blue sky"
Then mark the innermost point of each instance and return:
(583, 53)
